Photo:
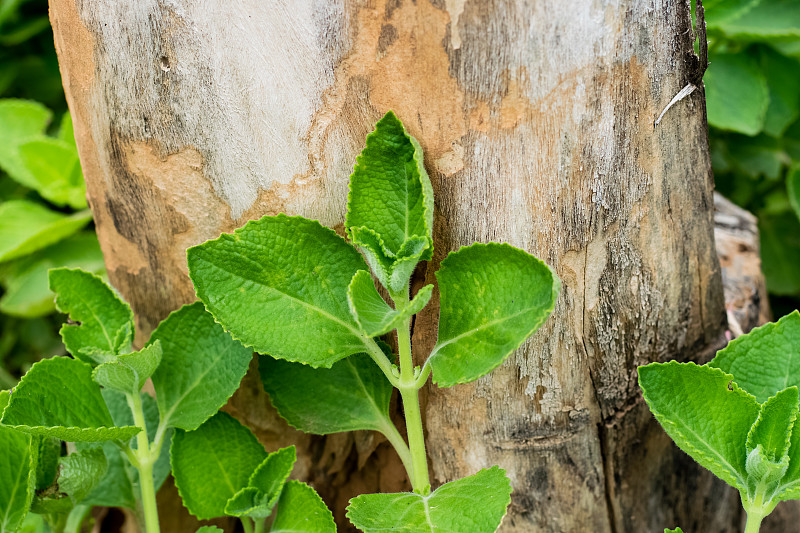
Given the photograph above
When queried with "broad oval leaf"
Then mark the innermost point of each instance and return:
(737, 96)
(476, 504)
(105, 326)
(706, 419)
(55, 167)
(27, 226)
(301, 510)
(214, 462)
(492, 298)
(390, 192)
(18, 452)
(57, 398)
(766, 360)
(373, 314)
(351, 395)
(276, 279)
(201, 367)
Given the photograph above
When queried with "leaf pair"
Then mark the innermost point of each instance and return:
(221, 469)
(736, 416)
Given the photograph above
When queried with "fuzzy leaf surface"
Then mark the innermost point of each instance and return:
(106, 322)
(275, 280)
(476, 504)
(705, 418)
(265, 485)
(200, 369)
(766, 360)
(129, 372)
(214, 462)
(17, 473)
(79, 474)
(492, 298)
(301, 510)
(351, 395)
(57, 398)
(772, 429)
(27, 226)
(390, 192)
(373, 314)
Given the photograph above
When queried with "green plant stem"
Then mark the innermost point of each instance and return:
(396, 440)
(409, 391)
(754, 519)
(247, 524)
(76, 518)
(145, 458)
(258, 524)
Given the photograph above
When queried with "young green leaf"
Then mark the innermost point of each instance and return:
(27, 293)
(706, 419)
(78, 475)
(301, 510)
(57, 398)
(276, 279)
(27, 226)
(772, 429)
(18, 454)
(351, 395)
(55, 167)
(214, 462)
(736, 93)
(766, 360)
(371, 311)
(476, 504)
(676, 530)
(265, 485)
(200, 369)
(129, 372)
(393, 271)
(105, 326)
(789, 488)
(390, 192)
(492, 298)
(20, 120)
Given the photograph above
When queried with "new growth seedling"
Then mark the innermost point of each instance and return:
(302, 295)
(736, 416)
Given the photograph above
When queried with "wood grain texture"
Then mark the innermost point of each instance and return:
(537, 122)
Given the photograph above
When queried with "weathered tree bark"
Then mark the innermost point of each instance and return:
(537, 122)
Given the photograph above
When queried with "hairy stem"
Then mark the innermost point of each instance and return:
(145, 459)
(754, 518)
(409, 391)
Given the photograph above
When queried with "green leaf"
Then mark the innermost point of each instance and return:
(27, 226)
(789, 488)
(766, 360)
(783, 80)
(262, 491)
(301, 510)
(27, 291)
(737, 96)
(351, 395)
(56, 170)
(214, 462)
(707, 415)
(372, 313)
(719, 11)
(780, 251)
(277, 279)
(115, 489)
(757, 156)
(676, 530)
(129, 372)
(492, 298)
(17, 473)
(390, 192)
(209, 529)
(201, 367)
(772, 19)
(49, 453)
(57, 398)
(392, 271)
(476, 504)
(793, 188)
(20, 121)
(105, 326)
(773, 428)
(79, 474)
(66, 131)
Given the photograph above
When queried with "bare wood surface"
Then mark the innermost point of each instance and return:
(537, 124)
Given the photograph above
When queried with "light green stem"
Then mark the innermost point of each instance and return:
(259, 525)
(409, 391)
(145, 458)
(247, 524)
(76, 518)
(396, 440)
(754, 519)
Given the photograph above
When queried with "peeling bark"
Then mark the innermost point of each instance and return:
(537, 124)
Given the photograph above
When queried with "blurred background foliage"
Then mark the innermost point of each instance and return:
(753, 99)
(44, 219)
